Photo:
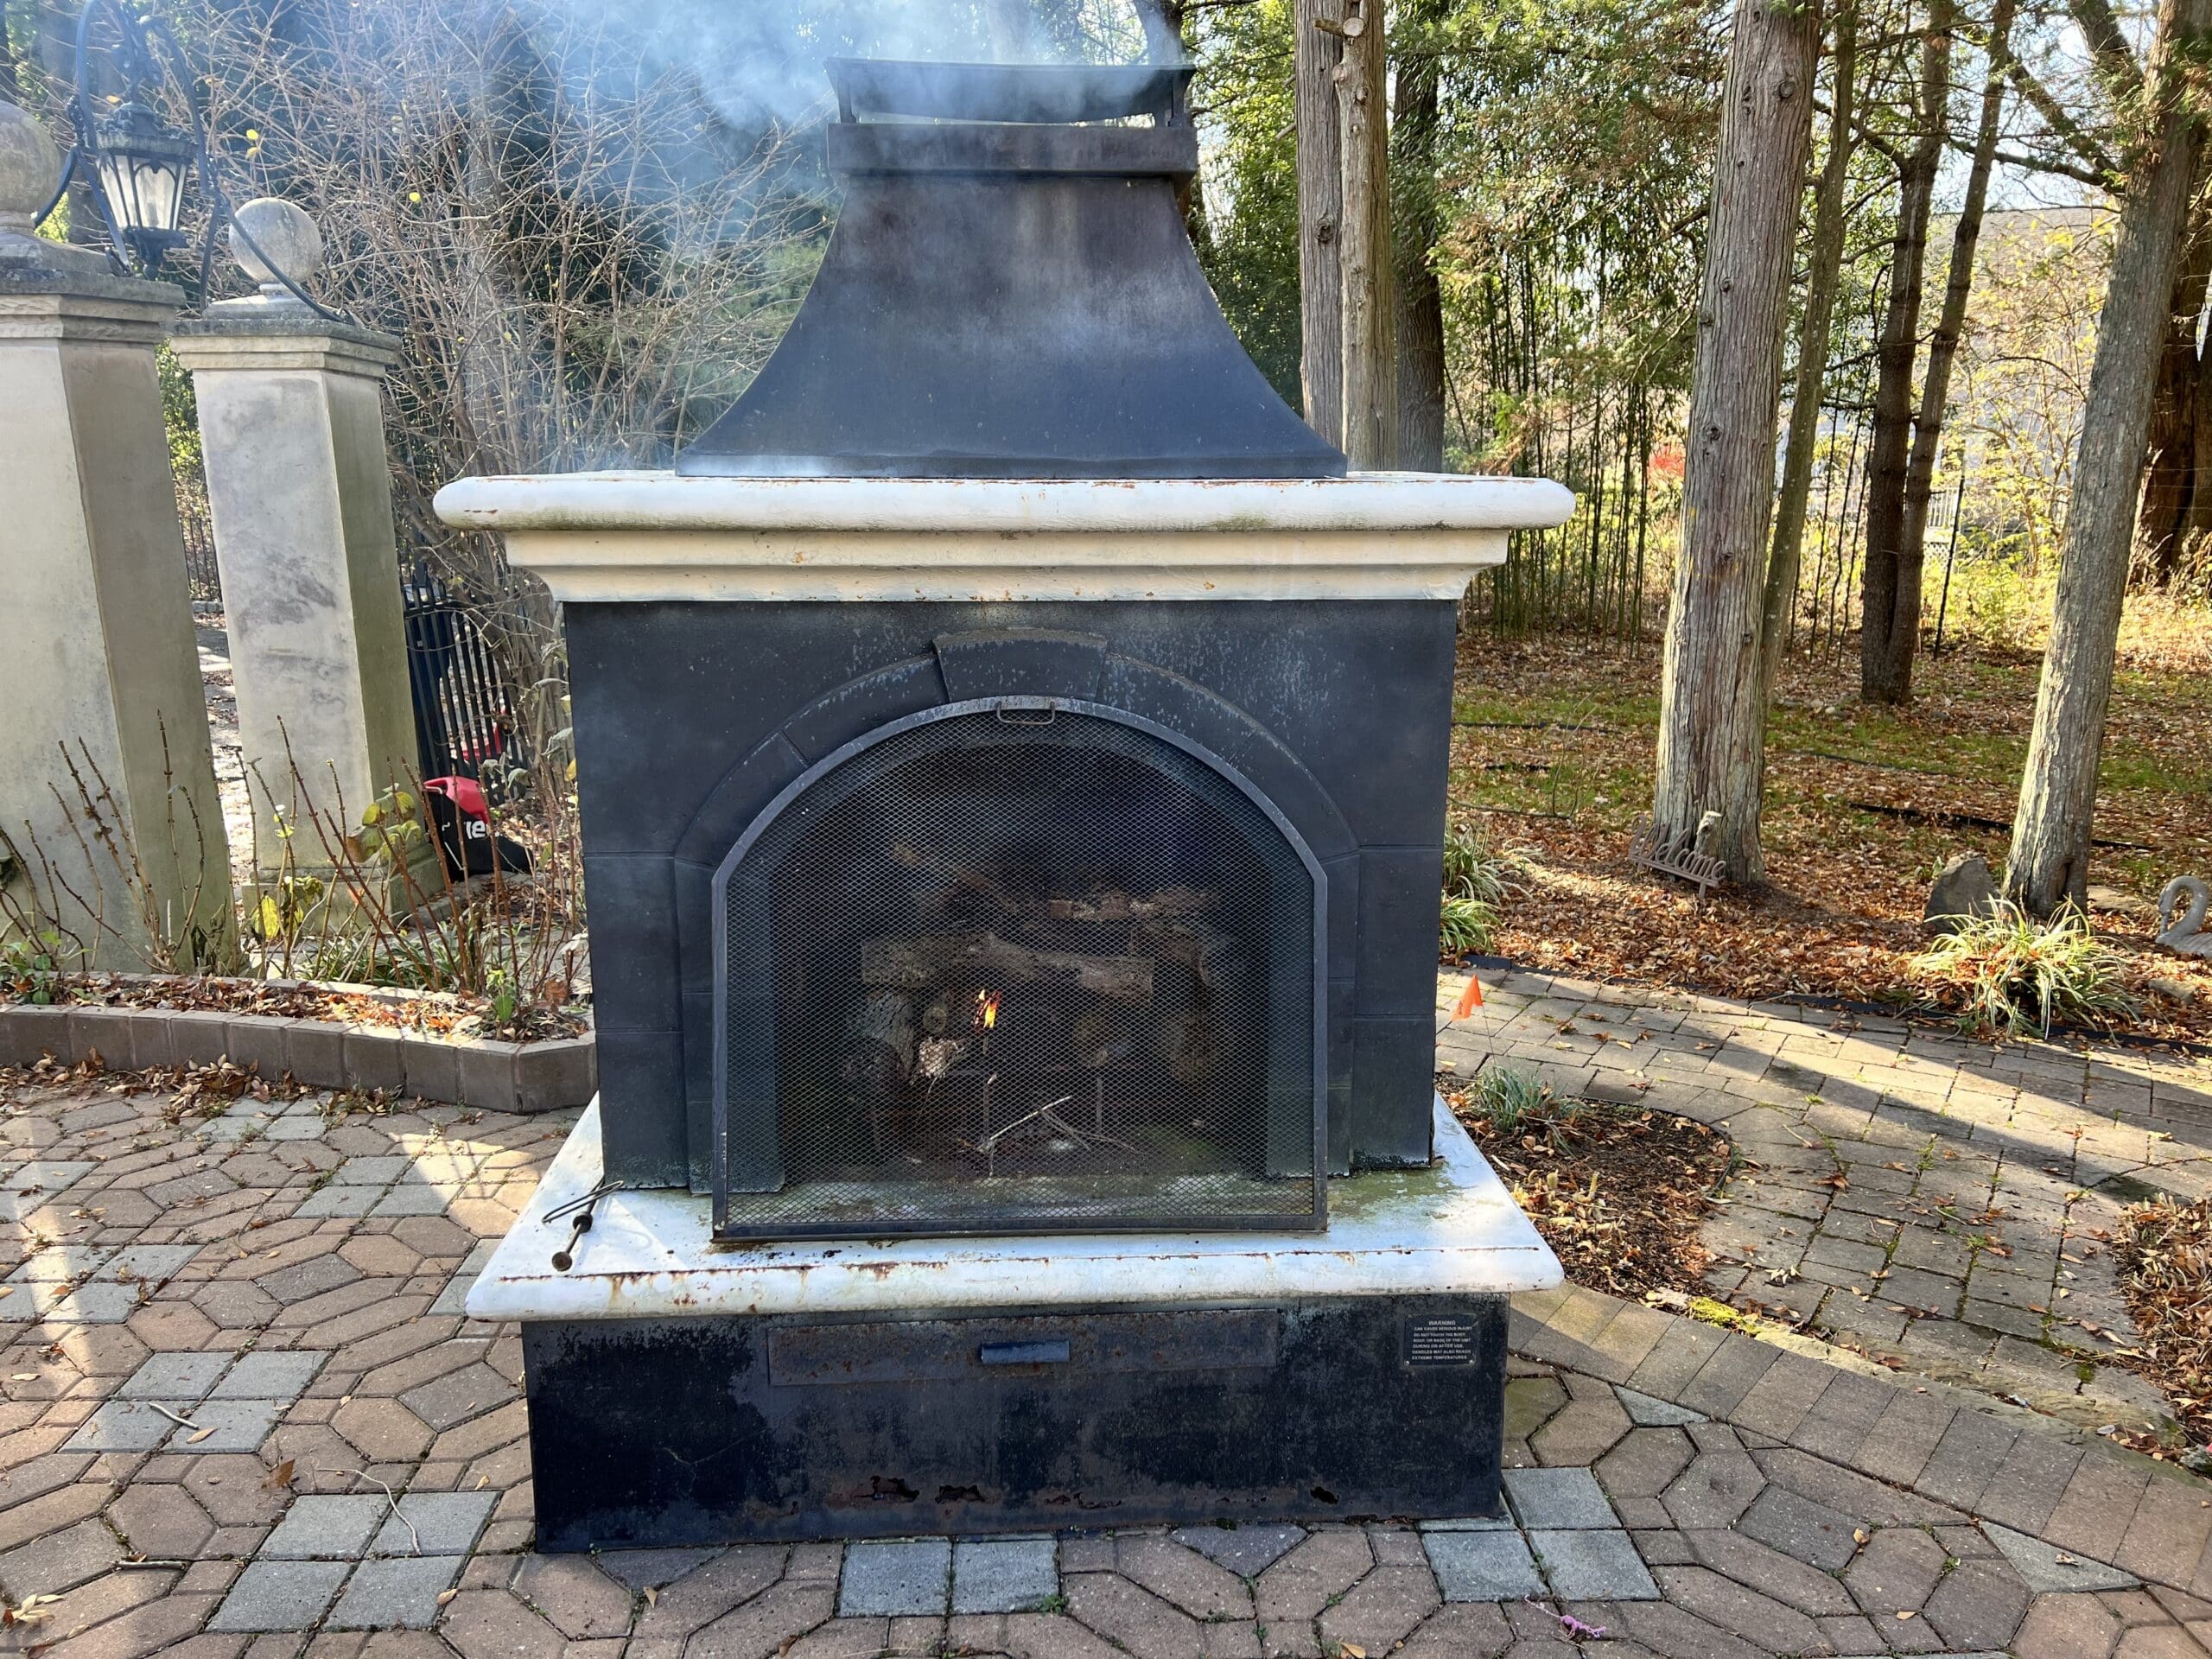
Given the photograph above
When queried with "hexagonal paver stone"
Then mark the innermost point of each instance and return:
(397, 1594)
(326, 1528)
(95, 1305)
(309, 1278)
(1895, 1573)
(447, 1401)
(453, 1298)
(326, 1201)
(279, 1596)
(1558, 1499)
(380, 1171)
(1593, 1566)
(1647, 1413)
(895, 1578)
(435, 1523)
(227, 1426)
(173, 1376)
(1246, 1551)
(277, 1376)
(127, 1426)
(1481, 1565)
(1812, 1532)
(1004, 1575)
(2047, 1568)
(58, 1262)
(1978, 1604)
(154, 1262)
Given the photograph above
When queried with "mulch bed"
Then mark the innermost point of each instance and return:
(441, 1013)
(2165, 1254)
(1617, 1191)
(1553, 764)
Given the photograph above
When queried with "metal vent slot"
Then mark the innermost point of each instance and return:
(1017, 970)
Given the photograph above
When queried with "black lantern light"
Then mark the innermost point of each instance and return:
(139, 167)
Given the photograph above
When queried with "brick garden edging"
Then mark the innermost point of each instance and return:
(319, 1053)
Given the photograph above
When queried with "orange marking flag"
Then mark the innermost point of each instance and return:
(1469, 999)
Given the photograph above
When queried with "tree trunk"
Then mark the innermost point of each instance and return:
(1887, 631)
(1420, 299)
(2050, 860)
(1711, 727)
(1823, 275)
(1371, 371)
(2170, 478)
(1320, 218)
(1943, 345)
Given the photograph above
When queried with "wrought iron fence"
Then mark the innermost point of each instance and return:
(201, 573)
(465, 724)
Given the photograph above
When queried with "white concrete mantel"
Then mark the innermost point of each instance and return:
(1449, 1230)
(611, 536)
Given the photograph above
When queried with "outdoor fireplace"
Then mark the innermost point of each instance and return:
(1012, 756)
(1017, 964)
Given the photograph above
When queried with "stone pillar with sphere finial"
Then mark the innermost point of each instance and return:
(291, 428)
(111, 829)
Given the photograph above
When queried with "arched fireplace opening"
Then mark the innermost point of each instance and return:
(1018, 964)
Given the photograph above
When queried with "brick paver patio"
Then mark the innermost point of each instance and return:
(244, 1415)
(1941, 1205)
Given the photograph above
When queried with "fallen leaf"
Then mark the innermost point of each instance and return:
(1907, 1612)
(447, 1596)
(201, 1435)
(1859, 1535)
(279, 1478)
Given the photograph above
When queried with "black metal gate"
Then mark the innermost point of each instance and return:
(464, 719)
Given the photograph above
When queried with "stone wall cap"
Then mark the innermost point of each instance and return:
(658, 501)
(602, 537)
(81, 285)
(256, 334)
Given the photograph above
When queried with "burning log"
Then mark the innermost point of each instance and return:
(879, 1045)
(927, 961)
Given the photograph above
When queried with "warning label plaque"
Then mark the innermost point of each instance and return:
(1438, 1338)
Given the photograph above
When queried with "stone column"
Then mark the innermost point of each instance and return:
(98, 642)
(291, 427)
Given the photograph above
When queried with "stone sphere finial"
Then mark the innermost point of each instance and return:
(283, 232)
(29, 168)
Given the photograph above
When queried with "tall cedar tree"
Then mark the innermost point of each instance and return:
(1711, 725)
(2050, 860)
(1889, 587)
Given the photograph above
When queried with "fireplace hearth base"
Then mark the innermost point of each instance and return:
(684, 1394)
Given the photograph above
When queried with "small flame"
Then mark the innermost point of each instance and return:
(986, 1009)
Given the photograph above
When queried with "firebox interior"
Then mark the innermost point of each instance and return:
(1018, 966)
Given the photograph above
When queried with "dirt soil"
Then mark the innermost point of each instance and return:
(1551, 760)
(1617, 1191)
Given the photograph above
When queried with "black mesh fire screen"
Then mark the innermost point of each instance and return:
(1017, 968)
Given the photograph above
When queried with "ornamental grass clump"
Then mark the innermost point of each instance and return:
(1475, 885)
(2007, 972)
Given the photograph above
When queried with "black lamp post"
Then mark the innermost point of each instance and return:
(139, 169)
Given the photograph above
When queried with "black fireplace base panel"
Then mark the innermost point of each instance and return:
(722, 1429)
